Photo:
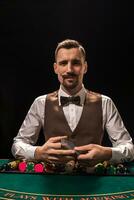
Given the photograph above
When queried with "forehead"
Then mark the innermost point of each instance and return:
(73, 53)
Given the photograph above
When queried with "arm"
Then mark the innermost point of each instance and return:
(53, 150)
(93, 154)
(23, 144)
(123, 148)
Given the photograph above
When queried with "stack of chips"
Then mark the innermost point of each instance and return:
(39, 167)
(4, 167)
(30, 167)
(69, 166)
(72, 166)
(22, 166)
(111, 170)
(100, 169)
(9, 166)
(14, 164)
(121, 169)
(130, 168)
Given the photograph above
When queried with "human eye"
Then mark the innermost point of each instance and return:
(76, 62)
(63, 62)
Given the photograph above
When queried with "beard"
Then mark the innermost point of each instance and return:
(68, 84)
(70, 81)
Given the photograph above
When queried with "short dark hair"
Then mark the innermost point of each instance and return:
(68, 44)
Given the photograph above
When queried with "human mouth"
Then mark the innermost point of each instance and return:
(72, 76)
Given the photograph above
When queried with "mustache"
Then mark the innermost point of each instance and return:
(69, 74)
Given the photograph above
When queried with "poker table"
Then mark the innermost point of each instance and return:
(65, 187)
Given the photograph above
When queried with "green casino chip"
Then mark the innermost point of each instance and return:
(130, 168)
(100, 169)
(5, 167)
(30, 167)
(111, 170)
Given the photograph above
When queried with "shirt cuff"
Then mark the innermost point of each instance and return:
(29, 154)
(117, 156)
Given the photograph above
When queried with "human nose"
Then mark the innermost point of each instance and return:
(69, 67)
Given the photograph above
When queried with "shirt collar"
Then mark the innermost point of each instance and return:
(81, 93)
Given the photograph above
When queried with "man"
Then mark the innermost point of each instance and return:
(82, 122)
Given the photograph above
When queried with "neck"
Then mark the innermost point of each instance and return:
(73, 91)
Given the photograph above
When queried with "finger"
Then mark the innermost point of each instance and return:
(67, 144)
(57, 139)
(83, 157)
(53, 158)
(64, 159)
(55, 145)
(61, 152)
(84, 148)
(60, 159)
(87, 163)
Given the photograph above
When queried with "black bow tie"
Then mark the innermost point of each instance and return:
(65, 101)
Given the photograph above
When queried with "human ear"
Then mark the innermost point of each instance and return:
(55, 68)
(86, 66)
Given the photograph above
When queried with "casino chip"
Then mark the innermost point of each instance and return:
(13, 164)
(69, 166)
(100, 169)
(90, 170)
(111, 170)
(120, 169)
(4, 167)
(39, 168)
(30, 167)
(130, 168)
(22, 166)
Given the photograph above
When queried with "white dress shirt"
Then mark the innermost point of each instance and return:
(122, 146)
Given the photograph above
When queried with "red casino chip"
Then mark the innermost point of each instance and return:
(22, 166)
(38, 168)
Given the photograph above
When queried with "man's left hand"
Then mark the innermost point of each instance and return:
(93, 153)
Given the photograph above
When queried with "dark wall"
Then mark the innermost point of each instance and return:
(30, 31)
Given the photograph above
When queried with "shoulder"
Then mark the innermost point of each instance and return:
(38, 103)
(105, 98)
(42, 99)
(108, 103)
(93, 96)
(98, 96)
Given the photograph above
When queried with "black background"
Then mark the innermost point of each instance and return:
(30, 31)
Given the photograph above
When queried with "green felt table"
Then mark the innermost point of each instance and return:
(65, 187)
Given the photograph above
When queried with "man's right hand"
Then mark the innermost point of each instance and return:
(52, 151)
